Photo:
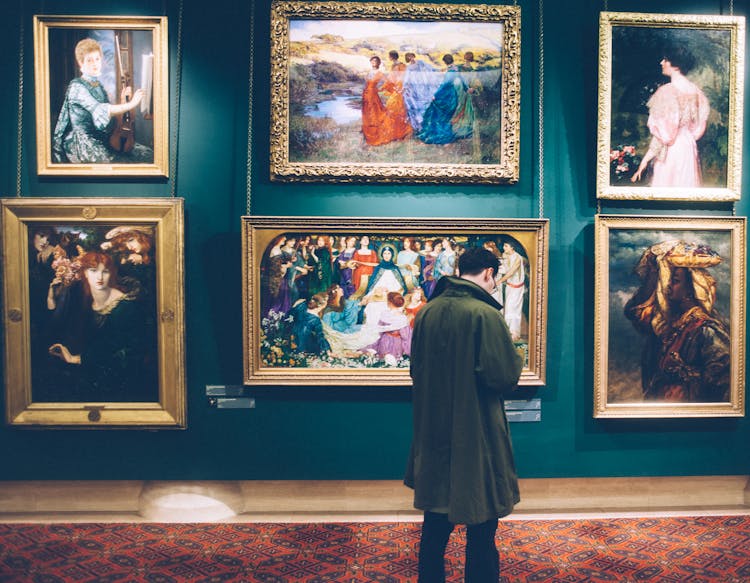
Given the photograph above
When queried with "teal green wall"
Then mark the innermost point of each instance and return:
(354, 432)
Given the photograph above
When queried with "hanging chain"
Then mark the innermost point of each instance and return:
(599, 200)
(19, 137)
(731, 13)
(251, 70)
(175, 117)
(541, 109)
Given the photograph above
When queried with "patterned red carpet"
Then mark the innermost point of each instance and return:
(675, 550)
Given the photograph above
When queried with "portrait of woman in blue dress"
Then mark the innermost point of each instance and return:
(87, 118)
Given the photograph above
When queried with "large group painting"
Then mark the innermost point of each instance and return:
(93, 308)
(334, 301)
(670, 297)
(101, 98)
(394, 92)
(670, 106)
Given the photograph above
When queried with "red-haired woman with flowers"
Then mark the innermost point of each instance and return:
(112, 354)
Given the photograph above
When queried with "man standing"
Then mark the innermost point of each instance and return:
(461, 467)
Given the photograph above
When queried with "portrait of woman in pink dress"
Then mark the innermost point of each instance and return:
(678, 112)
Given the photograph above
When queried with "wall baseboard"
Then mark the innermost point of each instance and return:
(195, 501)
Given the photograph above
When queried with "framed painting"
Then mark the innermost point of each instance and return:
(102, 95)
(317, 288)
(669, 330)
(395, 92)
(671, 89)
(93, 312)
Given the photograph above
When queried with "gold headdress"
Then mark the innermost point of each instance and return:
(659, 260)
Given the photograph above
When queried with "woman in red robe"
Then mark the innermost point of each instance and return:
(363, 262)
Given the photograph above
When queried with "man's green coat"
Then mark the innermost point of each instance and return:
(463, 363)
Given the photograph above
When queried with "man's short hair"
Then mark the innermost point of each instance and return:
(475, 260)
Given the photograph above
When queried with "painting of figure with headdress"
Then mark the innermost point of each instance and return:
(686, 352)
(672, 304)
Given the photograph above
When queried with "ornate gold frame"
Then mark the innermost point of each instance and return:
(735, 25)
(505, 171)
(46, 118)
(165, 217)
(609, 324)
(257, 233)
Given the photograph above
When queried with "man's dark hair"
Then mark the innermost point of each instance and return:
(475, 260)
(393, 55)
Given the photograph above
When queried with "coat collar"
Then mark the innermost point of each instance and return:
(463, 287)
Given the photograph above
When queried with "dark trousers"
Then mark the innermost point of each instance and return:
(482, 558)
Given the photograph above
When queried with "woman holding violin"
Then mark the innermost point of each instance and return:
(87, 119)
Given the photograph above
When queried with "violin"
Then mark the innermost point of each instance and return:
(122, 138)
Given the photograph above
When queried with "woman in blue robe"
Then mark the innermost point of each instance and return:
(341, 314)
(307, 329)
(437, 123)
(420, 84)
(386, 274)
(445, 263)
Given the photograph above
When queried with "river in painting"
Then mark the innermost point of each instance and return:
(343, 109)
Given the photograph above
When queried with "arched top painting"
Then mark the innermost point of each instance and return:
(408, 92)
(670, 106)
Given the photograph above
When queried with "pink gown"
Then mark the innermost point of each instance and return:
(676, 120)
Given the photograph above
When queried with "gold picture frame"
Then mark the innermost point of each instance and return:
(318, 254)
(78, 133)
(322, 80)
(669, 316)
(103, 280)
(670, 115)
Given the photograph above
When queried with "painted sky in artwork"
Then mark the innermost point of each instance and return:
(487, 35)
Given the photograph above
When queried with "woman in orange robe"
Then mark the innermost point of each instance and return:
(373, 110)
(397, 120)
(383, 123)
